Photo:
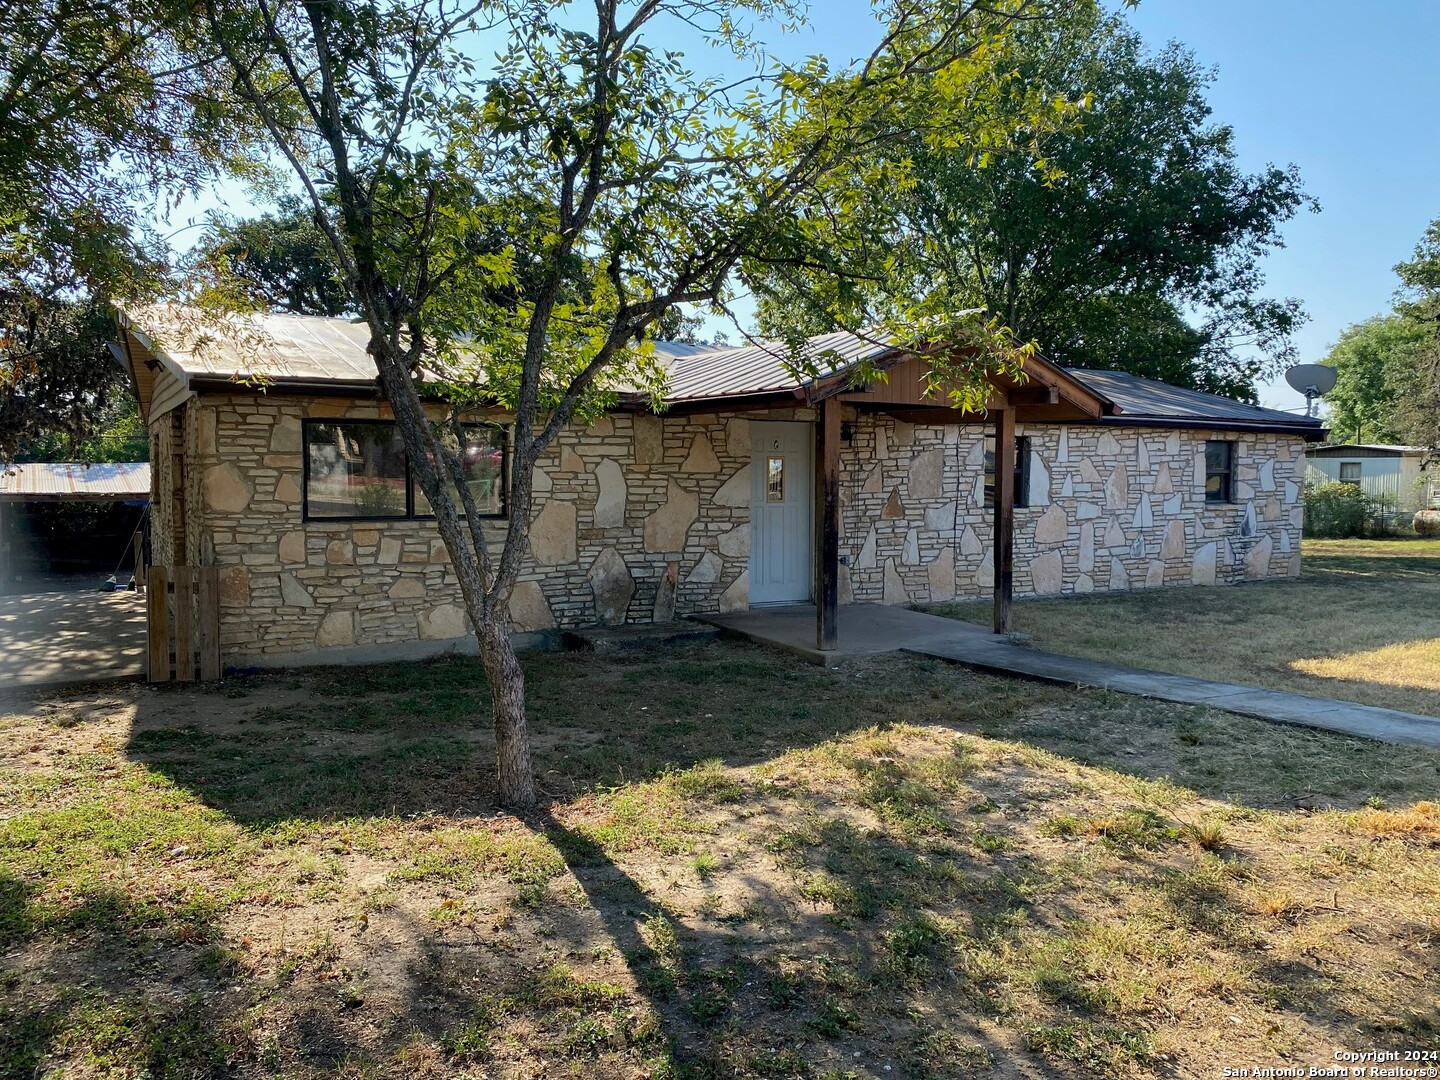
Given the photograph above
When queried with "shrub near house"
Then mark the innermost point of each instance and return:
(1338, 510)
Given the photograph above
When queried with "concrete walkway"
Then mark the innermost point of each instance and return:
(63, 638)
(871, 630)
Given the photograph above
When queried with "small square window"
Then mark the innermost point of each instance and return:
(355, 470)
(1219, 471)
(1350, 472)
(1022, 470)
(483, 463)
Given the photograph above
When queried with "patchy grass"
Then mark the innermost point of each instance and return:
(1362, 623)
(744, 866)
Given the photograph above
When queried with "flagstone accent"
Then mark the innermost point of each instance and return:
(639, 518)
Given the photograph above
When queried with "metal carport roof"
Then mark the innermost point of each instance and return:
(67, 481)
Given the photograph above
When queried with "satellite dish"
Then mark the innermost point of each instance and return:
(1312, 380)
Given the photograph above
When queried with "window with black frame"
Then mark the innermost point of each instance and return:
(1219, 471)
(1022, 470)
(357, 470)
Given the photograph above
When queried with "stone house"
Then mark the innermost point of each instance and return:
(752, 488)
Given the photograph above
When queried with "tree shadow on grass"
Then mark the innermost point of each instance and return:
(85, 982)
(872, 928)
(409, 739)
(815, 1000)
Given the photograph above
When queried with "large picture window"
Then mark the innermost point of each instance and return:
(356, 470)
(1022, 470)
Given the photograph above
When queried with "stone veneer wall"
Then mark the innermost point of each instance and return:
(1109, 508)
(638, 519)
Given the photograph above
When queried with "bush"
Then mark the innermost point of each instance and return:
(1335, 511)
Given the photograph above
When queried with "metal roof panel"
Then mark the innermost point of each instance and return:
(1140, 398)
(67, 479)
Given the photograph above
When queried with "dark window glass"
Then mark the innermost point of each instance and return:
(484, 464)
(1219, 471)
(1022, 470)
(354, 470)
(358, 469)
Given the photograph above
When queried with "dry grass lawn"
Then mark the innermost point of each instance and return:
(744, 867)
(1362, 623)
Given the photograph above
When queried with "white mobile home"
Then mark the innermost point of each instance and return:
(1395, 475)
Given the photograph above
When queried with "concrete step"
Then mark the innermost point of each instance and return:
(614, 639)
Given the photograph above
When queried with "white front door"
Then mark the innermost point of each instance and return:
(782, 494)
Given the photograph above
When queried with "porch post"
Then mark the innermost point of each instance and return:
(1004, 516)
(827, 524)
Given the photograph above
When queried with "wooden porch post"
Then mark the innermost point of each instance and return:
(1004, 516)
(827, 524)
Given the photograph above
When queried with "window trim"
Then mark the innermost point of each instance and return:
(1226, 497)
(309, 422)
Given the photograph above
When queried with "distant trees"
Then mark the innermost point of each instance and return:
(1129, 238)
(107, 111)
(1387, 385)
(279, 261)
(1374, 360)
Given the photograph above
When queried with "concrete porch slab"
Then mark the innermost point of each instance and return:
(864, 630)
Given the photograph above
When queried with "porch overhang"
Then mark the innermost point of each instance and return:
(1041, 392)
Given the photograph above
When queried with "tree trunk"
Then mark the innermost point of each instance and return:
(515, 779)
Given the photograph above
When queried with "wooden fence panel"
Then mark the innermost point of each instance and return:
(209, 622)
(192, 595)
(185, 624)
(158, 624)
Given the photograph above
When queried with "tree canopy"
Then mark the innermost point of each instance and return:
(1387, 380)
(106, 113)
(1375, 363)
(280, 261)
(509, 231)
(1128, 239)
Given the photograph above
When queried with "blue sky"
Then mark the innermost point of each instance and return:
(1343, 89)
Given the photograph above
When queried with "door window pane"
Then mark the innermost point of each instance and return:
(775, 480)
(355, 471)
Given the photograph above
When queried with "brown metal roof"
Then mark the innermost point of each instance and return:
(1143, 401)
(310, 351)
(289, 347)
(68, 480)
